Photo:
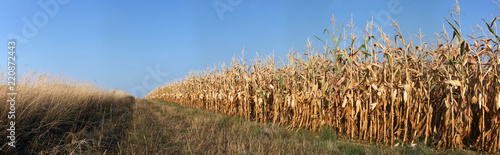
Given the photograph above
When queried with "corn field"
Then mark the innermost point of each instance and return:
(381, 89)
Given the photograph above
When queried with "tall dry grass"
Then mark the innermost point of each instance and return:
(55, 114)
(386, 89)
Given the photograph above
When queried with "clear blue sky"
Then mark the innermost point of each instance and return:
(113, 42)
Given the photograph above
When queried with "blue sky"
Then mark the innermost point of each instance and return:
(120, 44)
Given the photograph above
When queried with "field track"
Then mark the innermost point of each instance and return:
(166, 128)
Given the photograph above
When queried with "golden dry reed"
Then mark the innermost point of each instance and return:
(55, 114)
(387, 90)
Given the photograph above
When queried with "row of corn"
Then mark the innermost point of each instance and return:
(387, 90)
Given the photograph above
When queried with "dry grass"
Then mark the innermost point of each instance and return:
(386, 90)
(57, 115)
